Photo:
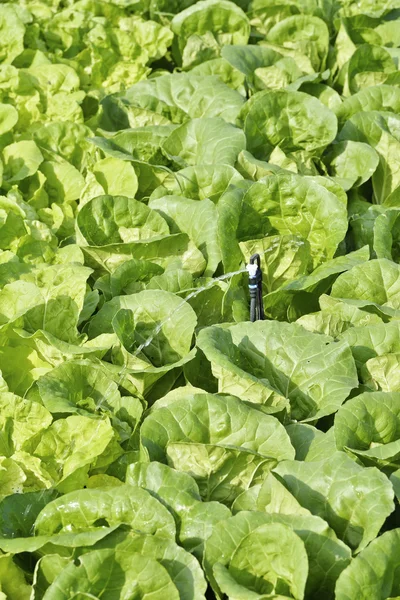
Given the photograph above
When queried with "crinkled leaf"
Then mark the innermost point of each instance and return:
(266, 362)
(355, 501)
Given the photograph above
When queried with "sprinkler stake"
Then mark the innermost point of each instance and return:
(255, 288)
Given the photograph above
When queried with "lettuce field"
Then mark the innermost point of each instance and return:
(155, 442)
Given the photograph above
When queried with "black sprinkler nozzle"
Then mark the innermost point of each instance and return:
(255, 288)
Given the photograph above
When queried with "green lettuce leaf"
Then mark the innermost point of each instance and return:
(199, 219)
(321, 486)
(376, 283)
(292, 205)
(367, 426)
(351, 163)
(322, 372)
(325, 556)
(291, 120)
(208, 420)
(120, 505)
(182, 96)
(130, 221)
(101, 572)
(13, 584)
(67, 448)
(183, 568)
(204, 141)
(370, 341)
(37, 304)
(307, 34)
(379, 130)
(222, 22)
(372, 574)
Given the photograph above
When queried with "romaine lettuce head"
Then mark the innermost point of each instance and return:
(274, 364)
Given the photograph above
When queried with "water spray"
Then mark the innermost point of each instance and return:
(256, 304)
(255, 288)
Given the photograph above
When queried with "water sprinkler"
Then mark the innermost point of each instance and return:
(255, 288)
